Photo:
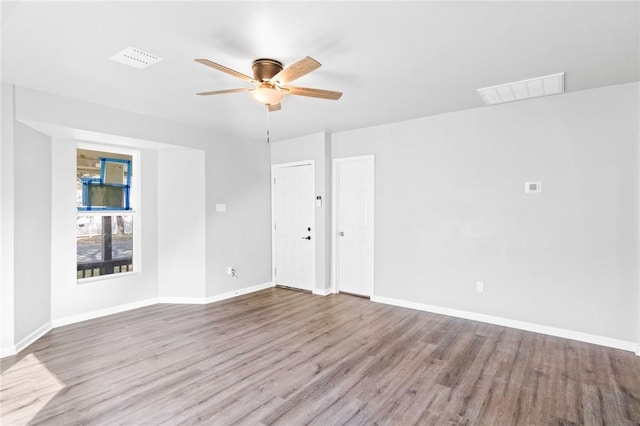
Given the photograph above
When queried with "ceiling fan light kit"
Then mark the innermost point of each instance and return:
(268, 94)
(270, 81)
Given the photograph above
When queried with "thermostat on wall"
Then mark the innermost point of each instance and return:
(532, 187)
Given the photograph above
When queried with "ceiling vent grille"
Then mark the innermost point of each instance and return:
(518, 90)
(135, 58)
(533, 187)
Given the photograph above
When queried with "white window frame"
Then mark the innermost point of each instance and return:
(134, 197)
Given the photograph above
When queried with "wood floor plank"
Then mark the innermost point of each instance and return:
(282, 357)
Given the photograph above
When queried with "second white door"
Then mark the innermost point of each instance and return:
(294, 238)
(353, 223)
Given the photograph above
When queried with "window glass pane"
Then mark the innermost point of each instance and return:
(104, 245)
(89, 238)
(103, 180)
(122, 237)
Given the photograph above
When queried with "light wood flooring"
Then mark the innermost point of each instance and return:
(286, 357)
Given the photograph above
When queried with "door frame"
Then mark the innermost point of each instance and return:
(313, 217)
(334, 220)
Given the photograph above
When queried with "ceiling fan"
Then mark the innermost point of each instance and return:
(271, 80)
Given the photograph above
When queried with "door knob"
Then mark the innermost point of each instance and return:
(308, 237)
(341, 233)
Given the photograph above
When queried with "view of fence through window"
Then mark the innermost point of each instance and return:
(98, 255)
(104, 234)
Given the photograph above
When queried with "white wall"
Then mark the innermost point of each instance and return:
(450, 207)
(237, 173)
(32, 231)
(451, 210)
(314, 147)
(181, 224)
(41, 107)
(6, 222)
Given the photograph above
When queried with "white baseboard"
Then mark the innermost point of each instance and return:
(33, 336)
(7, 351)
(322, 291)
(520, 325)
(214, 298)
(26, 341)
(59, 322)
(182, 300)
(239, 292)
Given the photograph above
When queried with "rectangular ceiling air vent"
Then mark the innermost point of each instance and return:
(532, 88)
(533, 187)
(135, 58)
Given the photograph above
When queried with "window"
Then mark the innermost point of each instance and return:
(105, 220)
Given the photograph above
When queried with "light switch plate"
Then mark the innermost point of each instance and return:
(221, 207)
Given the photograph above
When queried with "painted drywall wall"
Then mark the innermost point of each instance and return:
(237, 174)
(6, 222)
(32, 231)
(313, 147)
(42, 107)
(148, 218)
(327, 205)
(181, 224)
(451, 210)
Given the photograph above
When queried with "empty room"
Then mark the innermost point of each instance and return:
(328, 213)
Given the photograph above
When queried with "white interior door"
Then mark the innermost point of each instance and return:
(353, 223)
(293, 225)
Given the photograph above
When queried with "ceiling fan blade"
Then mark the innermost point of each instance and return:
(314, 93)
(219, 92)
(276, 107)
(296, 70)
(225, 70)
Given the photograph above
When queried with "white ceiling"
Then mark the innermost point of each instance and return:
(393, 61)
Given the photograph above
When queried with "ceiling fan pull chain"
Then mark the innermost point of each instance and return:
(268, 140)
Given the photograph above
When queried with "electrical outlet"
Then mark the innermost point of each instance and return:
(231, 271)
(480, 286)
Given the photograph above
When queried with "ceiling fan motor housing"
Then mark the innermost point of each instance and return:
(264, 69)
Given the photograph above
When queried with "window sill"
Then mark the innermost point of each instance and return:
(105, 212)
(106, 277)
